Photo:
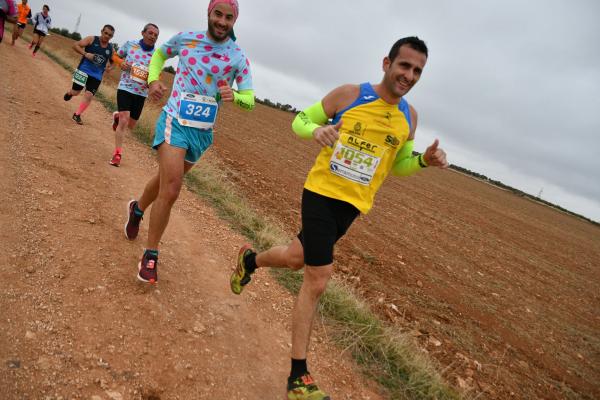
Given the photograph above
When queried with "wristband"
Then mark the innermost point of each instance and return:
(422, 162)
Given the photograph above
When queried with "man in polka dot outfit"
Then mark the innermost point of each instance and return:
(209, 63)
(133, 86)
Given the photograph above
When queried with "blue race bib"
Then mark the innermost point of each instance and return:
(197, 111)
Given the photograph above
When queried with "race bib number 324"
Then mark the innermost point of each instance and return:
(197, 111)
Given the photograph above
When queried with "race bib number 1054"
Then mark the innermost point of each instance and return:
(355, 162)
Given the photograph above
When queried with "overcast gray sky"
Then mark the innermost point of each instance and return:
(511, 88)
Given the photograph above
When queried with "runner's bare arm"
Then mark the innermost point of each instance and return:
(111, 62)
(80, 46)
(339, 98)
(413, 122)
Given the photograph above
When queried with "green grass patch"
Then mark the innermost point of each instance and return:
(391, 359)
(109, 104)
(212, 184)
(143, 133)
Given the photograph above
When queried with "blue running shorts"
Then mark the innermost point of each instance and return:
(195, 141)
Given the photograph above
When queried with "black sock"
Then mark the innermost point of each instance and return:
(299, 368)
(250, 262)
(36, 49)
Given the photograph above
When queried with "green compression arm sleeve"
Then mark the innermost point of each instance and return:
(308, 120)
(244, 99)
(405, 163)
(156, 65)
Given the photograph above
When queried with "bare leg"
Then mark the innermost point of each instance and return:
(132, 123)
(151, 189)
(124, 122)
(85, 102)
(34, 40)
(289, 256)
(313, 286)
(17, 32)
(73, 93)
(38, 44)
(303, 315)
(172, 167)
(150, 193)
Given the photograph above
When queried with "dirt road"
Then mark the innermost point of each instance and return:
(74, 321)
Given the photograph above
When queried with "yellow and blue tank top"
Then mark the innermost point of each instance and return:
(372, 134)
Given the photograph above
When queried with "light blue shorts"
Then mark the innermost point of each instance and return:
(195, 141)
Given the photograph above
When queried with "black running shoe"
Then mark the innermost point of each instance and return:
(67, 96)
(132, 226)
(77, 118)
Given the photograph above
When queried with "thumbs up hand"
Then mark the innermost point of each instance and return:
(225, 91)
(328, 134)
(435, 156)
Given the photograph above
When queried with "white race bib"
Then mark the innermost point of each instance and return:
(80, 77)
(139, 73)
(355, 159)
(197, 111)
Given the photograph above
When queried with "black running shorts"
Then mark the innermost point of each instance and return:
(39, 33)
(324, 222)
(134, 103)
(21, 25)
(91, 85)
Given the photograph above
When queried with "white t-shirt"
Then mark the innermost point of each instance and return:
(42, 23)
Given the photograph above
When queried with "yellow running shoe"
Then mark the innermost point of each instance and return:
(305, 388)
(240, 277)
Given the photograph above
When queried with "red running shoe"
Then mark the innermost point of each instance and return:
(116, 160)
(132, 226)
(148, 268)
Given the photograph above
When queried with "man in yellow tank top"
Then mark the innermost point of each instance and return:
(371, 134)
